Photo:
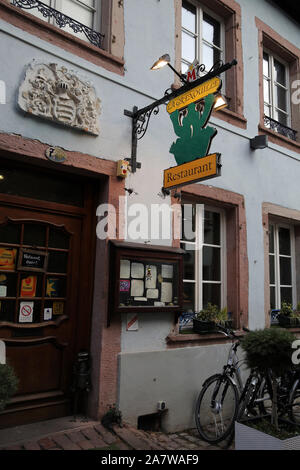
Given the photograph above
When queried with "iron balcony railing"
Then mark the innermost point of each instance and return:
(280, 128)
(62, 20)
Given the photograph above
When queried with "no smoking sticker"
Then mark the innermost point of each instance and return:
(26, 312)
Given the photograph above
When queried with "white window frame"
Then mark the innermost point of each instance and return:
(277, 285)
(199, 244)
(198, 34)
(273, 85)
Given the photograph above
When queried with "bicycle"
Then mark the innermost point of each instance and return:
(223, 399)
(288, 400)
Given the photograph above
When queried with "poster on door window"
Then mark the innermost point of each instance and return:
(26, 312)
(47, 314)
(28, 286)
(8, 259)
(58, 308)
(53, 287)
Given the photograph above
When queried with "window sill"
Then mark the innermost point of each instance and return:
(279, 139)
(54, 35)
(231, 117)
(194, 339)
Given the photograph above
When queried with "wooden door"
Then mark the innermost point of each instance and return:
(40, 298)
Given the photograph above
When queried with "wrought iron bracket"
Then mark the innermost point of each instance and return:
(141, 117)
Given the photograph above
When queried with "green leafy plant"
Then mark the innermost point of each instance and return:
(209, 313)
(212, 313)
(269, 350)
(286, 309)
(113, 416)
(8, 384)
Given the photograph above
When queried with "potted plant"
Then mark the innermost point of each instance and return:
(205, 321)
(269, 350)
(8, 384)
(288, 317)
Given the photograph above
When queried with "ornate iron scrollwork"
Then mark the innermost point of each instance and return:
(62, 20)
(142, 122)
(280, 128)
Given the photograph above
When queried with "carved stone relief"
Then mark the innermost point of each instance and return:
(52, 92)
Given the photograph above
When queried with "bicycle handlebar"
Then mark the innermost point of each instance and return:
(226, 331)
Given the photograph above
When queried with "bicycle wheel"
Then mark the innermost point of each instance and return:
(294, 403)
(216, 408)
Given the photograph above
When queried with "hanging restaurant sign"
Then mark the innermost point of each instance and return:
(196, 94)
(190, 113)
(194, 171)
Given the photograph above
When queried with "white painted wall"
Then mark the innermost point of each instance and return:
(176, 377)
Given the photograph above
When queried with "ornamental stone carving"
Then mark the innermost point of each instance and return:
(52, 92)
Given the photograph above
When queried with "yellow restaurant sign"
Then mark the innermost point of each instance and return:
(197, 93)
(190, 172)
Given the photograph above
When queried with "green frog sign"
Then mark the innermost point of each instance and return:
(190, 113)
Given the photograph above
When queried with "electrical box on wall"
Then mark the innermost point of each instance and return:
(122, 169)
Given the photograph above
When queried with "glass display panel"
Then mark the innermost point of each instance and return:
(148, 283)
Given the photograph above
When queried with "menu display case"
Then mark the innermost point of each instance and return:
(145, 278)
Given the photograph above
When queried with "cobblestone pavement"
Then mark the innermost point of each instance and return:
(95, 436)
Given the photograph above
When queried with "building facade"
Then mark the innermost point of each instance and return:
(71, 73)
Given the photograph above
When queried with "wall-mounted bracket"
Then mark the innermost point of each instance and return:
(141, 117)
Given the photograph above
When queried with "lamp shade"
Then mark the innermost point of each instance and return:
(220, 102)
(161, 62)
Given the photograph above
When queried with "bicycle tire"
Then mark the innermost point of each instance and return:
(294, 403)
(216, 408)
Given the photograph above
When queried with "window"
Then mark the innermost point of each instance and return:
(86, 28)
(210, 31)
(86, 12)
(279, 62)
(276, 92)
(203, 238)
(282, 265)
(202, 37)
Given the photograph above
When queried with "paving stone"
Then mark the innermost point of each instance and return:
(46, 443)
(63, 441)
(91, 434)
(107, 436)
(127, 434)
(192, 439)
(32, 446)
(13, 448)
(76, 436)
(152, 443)
(122, 446)
(85, 444)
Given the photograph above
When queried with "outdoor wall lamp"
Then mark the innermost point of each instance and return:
(162, 62)
(141, 117)
(220, 102)
(259, 142)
